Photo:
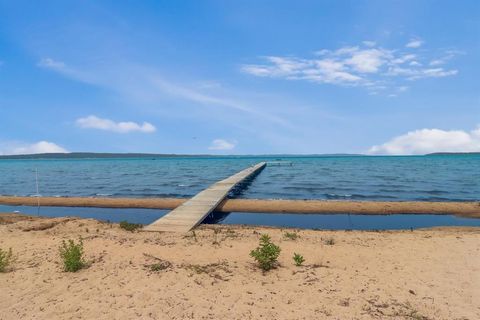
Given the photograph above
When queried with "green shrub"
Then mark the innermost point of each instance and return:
(266, 254)
(130, 226)
(6, 258)
(290, 235)
(298, 259)
(72, 255)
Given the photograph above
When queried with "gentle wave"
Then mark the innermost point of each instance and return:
(430, 178)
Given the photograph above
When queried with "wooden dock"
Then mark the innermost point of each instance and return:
(192, 212)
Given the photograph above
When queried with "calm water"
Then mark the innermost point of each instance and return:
(304, 221)
(429, 178)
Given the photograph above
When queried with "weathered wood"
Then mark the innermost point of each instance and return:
(192, 212)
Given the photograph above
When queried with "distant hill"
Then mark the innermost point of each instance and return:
(452, 153)
(94, 155)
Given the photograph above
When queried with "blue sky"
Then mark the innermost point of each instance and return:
(240, 77)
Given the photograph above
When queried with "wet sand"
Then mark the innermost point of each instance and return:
(464, 209)
(421, 274)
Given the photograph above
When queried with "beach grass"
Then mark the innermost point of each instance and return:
(125, 225)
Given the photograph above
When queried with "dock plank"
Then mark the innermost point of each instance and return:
(192, 212)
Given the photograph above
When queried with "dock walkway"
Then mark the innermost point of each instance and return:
(192, 212)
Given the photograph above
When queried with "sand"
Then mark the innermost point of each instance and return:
(421, 274)
(464, 209)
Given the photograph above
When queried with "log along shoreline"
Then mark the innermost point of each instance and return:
(463, 209)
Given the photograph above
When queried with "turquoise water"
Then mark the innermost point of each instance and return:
(424, 178)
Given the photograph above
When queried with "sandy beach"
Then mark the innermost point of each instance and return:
(421, 274)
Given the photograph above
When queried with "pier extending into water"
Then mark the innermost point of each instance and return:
(192, 212)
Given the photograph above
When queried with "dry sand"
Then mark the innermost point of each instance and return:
(424, 274)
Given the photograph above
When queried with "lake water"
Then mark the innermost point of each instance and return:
(417, 178)
(302, 221)
(420, 178)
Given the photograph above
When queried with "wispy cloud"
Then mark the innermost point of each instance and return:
(447, 55)
(94, 122)
(221, 144)
(274, 120)
(430, 140)
(67, 71)
(209, 99)
(415, 74)
(414, 43)
(369, 66)
(144, 83)
(14, 148)
(51, 64)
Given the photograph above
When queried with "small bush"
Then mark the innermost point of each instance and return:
(290, 235)
(329, 241)
(266, 254)
(298, 259)
(6, 258)
(72, 255)
(130, 226)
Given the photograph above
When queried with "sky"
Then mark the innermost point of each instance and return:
(240, 77)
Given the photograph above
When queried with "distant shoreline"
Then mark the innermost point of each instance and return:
(101, 155)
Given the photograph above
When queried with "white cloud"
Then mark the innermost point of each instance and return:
(322, 71)
(221, 144)
(404, 58)
(38, 147)
(436, 62)
(367, 61)
(371, 66)
(430, 140)
(415, 74)
(94, 122)
(414, 43)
